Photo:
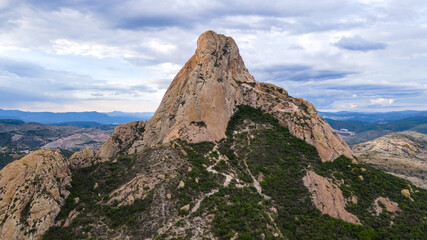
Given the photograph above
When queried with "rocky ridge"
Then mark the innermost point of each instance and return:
(206, 92)
(32, 191)
(403, 154)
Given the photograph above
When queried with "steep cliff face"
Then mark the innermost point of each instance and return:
(32, 191)
(206, 92)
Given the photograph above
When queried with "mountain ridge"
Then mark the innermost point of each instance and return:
(61, 117)
(403, 154)
(207, 90)
(224, 157)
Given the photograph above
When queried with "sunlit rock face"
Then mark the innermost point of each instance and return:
(206, 92)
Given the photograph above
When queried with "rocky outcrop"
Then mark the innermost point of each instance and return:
(123, 137)
(389, 205)
(163, 166)
(32, 191)
(403, 154)
(82, 158)
(207, 90)
(328, 197)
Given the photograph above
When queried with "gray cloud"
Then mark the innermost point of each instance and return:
(41, 84)
(300, 73)
(395, 90)
(359, 44)
(111, 49)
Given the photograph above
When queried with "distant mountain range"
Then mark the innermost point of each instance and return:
(95, 119)
(356, 127)
(374, 116)
(67, 117)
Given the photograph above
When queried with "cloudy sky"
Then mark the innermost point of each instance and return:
(106, 55)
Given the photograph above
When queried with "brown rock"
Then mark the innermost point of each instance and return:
(389, 205)
(181, 184)
(34, 187)
(406, 193)
(73, 214)
(186, 208)
(82, 158)
(206, 92)
(354, 199)
(161, 176)
(123, 137)
(403, 154)
(328, 198)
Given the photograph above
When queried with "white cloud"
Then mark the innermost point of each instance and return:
(163, 48)
(149, 44)
(68, 47)
(4, 3)
(382, 101)
(353, 105)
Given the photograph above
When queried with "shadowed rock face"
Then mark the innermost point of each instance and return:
(207, 90)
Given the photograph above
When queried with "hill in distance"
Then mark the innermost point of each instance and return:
(356, 127)
(223, 157)
(374, 116)
(403, 154)
(67, 117)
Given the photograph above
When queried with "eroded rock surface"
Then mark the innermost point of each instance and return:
(32, 191)
(205, 93)
(390, 206)
(123, 137)
(82, 158)
(403, 154)
(328, 197)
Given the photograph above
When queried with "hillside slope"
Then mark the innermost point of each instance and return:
(403, 154)
(260, 182)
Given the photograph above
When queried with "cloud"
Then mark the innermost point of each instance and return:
(385, 90)
(68, 47)
(25, 83)
(4, 3)
(357, 43)
(301, 73)
(91, 51)
(382, 101)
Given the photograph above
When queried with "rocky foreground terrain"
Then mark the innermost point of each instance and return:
(403, 154)
(224, 157)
